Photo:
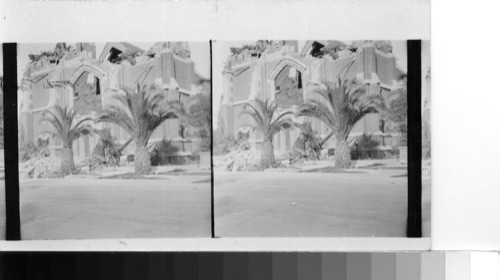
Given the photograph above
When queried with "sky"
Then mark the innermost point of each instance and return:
(220, 53)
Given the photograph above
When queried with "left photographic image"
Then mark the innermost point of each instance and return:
(114, 140)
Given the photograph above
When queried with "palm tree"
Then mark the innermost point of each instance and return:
(270, 122)
(69, 128)
(140, 112)
(341, 106)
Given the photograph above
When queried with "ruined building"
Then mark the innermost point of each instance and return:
(78, 77)
(278, 70)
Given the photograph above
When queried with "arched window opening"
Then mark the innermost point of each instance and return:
(288, 87)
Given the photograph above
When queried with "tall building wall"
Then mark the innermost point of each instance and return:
(166, 67)
(240, 120)
(363, 64)
(184, 73)
(227, 113)
(40, 94)
(227, 94)
(158, 70)
(386, 65)
(369, 61)
(241, 85)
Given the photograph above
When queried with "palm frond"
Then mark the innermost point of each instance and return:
(54, 120)
(279, 125)
(142, 111)
(117, 115)
(263, 113)
(80, 131)
(254, 127)
(62, 120)
(318, 110)
(282, 115)
(258, 113)
(52, 133)
(341, 105)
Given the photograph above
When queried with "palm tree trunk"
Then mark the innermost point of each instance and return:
(142, 160)
(67, 162)
(267, 154)
(342, 154)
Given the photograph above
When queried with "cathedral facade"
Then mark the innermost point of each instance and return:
(278, 70)
(77, 77)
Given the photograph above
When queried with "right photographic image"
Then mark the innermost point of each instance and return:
(310, 139)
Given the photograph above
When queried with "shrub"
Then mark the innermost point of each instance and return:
(307, 146)
(199, 119)
(364, 147)
(106, 141)
(161, 152)
(398, 116)
(107, 151)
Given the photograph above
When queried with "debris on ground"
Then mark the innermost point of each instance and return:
(40, 167)
(240, 159)
(307, 147)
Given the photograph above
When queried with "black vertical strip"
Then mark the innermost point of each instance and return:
(212, 209)
(414, 225)
(13, 221)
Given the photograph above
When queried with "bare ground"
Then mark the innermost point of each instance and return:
(273, 204)
(177, 206)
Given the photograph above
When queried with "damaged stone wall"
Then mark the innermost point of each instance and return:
(87, 95)
(75, 77)
(288, 88)
(370, 62)
(333, 68)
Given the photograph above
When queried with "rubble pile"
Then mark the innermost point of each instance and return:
(240, 159)
(96, 162)
(40, 167)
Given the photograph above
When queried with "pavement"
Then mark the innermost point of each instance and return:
(73, 208)
(365, 204)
